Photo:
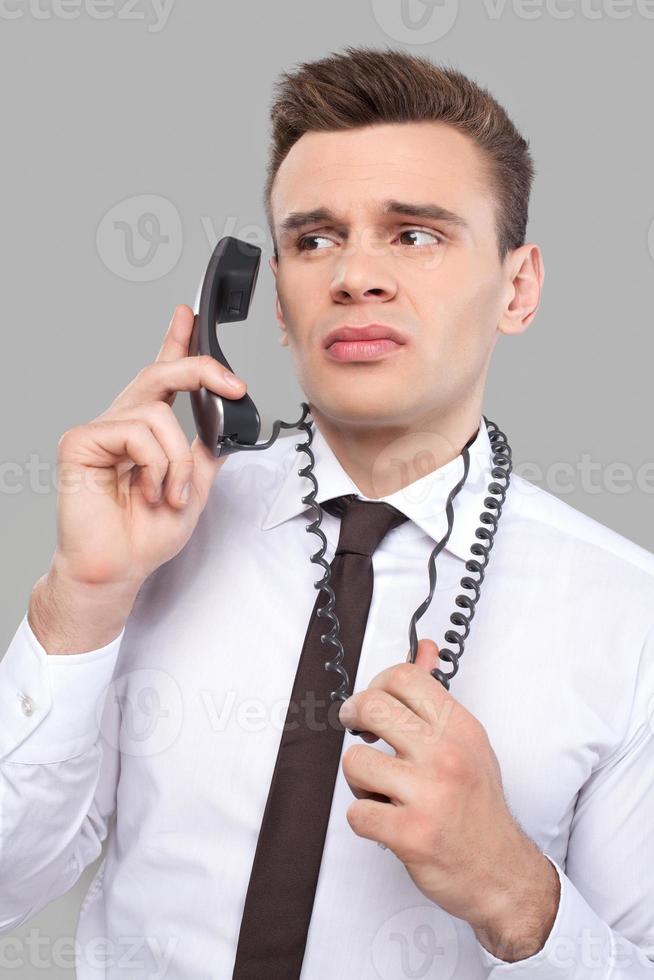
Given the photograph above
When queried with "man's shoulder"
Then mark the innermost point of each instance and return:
(584, 534)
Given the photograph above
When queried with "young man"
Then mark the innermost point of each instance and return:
(515, 809)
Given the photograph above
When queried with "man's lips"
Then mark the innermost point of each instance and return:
(362, 350)
(371, 331)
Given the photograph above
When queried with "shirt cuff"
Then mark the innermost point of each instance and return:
(579, 946)
(51, 704)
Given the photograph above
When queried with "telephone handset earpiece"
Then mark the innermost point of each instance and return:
(224, 423)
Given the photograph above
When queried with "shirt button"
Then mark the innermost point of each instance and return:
(26, 704)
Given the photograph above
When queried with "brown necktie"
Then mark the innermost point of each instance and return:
(289, 849)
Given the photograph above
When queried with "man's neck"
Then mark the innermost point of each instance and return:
(383, 459)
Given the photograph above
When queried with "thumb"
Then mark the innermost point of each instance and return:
(427, 655)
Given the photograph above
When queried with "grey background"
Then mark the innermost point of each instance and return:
(102, 111)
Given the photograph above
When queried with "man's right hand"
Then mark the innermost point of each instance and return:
(121, 512)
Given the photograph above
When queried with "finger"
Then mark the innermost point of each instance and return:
(178, 335)
(161, 380)
(427, 655)
(376, 821)
(426, 659)
(103, 442)
(414, 687)
(162, 421)
(383, 715)
(373, 771)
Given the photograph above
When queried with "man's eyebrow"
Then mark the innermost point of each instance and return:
(432, 212)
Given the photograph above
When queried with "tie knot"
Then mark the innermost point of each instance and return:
(363, 523)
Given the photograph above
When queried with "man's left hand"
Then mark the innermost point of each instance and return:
(439, 805)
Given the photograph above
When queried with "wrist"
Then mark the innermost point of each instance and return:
(523, 915)
(75, 617)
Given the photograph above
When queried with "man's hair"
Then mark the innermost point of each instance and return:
(364, 86)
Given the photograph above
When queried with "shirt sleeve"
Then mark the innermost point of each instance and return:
(58, 769)
(604, 927)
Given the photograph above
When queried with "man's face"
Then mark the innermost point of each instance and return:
(438, 281)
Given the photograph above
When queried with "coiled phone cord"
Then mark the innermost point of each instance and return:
(501, 470)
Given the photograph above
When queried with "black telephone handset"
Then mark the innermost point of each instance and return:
(225, 424)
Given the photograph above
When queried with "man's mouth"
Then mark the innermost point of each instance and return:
(359, 334)
(362, 350)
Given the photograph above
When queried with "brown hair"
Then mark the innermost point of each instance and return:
(363, 86)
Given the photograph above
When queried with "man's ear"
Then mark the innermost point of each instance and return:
(278, 310)
(525, 274)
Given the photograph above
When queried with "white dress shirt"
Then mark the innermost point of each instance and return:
(175, 726)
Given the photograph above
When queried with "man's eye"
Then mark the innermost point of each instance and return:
(304, 247)
(307, 238)
(421, 231)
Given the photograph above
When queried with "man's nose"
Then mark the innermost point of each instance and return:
(362, 273)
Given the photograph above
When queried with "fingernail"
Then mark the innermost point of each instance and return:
(232, 380)
(184, 494)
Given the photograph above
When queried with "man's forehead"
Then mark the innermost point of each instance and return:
(360, 170)
(381, 143)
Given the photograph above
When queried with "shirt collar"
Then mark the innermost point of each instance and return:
(423, 501)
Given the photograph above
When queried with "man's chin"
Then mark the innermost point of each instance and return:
(359, 410)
